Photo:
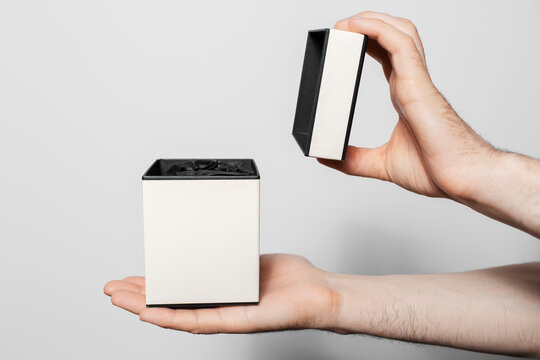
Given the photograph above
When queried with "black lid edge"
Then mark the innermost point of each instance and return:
(355, 95)
(319, 81)
(308, 135)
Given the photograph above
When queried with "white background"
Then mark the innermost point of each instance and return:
(91, 92)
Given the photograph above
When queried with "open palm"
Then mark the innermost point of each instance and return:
(293, 295)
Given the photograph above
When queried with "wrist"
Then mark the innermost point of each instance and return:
(352, 307)
(483, 176)
(471, 176)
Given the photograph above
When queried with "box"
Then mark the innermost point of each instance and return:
(328, 87)
(201, 232)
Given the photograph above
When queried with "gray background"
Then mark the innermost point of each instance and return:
(91, 92)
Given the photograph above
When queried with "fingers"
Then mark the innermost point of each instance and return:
(137, 280)
(129, 300)
(229, 319)
(361, 162)
(160, 316)
(406, 58)
(115, 285)
(129, 294)
(134, 284)
(373, 49)
(404, 25)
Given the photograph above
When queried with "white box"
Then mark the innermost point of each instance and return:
(201, 232)
(328, 88)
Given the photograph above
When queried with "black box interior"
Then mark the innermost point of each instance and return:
(310, 83)
(163, 169)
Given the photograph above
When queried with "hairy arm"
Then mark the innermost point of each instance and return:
(493, 310)
(507, 189)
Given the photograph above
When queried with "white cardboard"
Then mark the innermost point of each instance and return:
(336, 94)
(201, 241)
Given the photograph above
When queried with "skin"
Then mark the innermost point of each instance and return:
(432, 152)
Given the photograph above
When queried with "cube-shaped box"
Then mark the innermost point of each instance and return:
(328, 88)
(201, 232)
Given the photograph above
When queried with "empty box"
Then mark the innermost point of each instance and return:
(201, 232)
(328, 87)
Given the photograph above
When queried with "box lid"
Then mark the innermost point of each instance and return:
(329, 83)
(202, 169)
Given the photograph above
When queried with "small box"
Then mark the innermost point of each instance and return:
(328, 87)
(201, 232)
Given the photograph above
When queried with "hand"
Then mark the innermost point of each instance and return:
(431, 150)
(294, 295)
(492, 310)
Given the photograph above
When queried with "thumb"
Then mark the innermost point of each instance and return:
(361, 162)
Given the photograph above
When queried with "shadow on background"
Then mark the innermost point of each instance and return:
(318, 345)
(370, 250)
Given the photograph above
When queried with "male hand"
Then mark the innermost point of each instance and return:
(493, 310)
(431, 150)
(294, 295)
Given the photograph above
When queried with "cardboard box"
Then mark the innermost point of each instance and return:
(328, 87)
(201, 232)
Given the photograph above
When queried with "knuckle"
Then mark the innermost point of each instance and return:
(196, 327)
(367, 13)
(409, 23)
(411, 28)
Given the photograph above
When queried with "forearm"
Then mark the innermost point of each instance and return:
(493, 310)
(507, 188)
(499, 184)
